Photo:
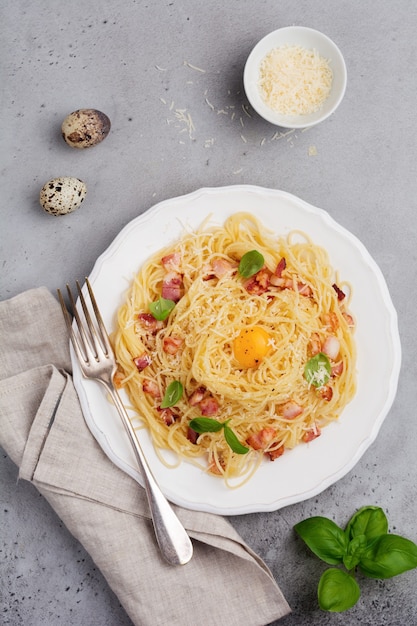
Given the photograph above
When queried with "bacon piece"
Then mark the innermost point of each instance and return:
(171, 261)
(150, 323)
(311, 434)
(340, 294)
(142, 361)
(291, 409)
(118, 379)
(280, 267)
(172, 286)
(221, 267)
(314, 344)
(261, 439)
(217, 466)
(349, 319)
(168, 415)
(171, 345)
(326, 392)
(192, 435)
(337, 369)
(151, 387)
(331, 347)
(259, 283)
(197, 396)
(209, 406)
(331, 320)
(304, 290)
(274, 454)
(282, 283)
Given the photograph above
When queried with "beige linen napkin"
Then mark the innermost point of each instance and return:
(43, 431)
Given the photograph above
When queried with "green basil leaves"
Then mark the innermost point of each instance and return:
(318, 370)
(173, 393)
(250, 263)
(207, 425)
(365, 544)
(161, 308)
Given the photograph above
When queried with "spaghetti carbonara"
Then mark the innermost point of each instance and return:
(235, 345)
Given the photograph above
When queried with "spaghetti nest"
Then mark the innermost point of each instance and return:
(294, 303)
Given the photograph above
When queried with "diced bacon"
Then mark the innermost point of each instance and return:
(331, 347)
(331, 320)
(150, 323)
(349, 319)
(171, 345)
(304, 290)
(192, 435)
(171, 261)
(282, 283)
(326, 392)
(340, 294)
(152, 388)
(209, 406)
(172, 286)
(291, 409)
(259, 283)
(118, 379)
(142, 361)
(314, 344)
(217, 465)
(197, 396)
(337, 369)
(221, 267)
(168, 416)
(261, 439)
(311, 434)
(274, 454)
(280, 267)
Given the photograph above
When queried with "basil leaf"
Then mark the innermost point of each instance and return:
(370, 521)
(388, 556)
(250, 263)
(233, 441)
(337, 591)
(173, 393)
(355, 550)
(161, 308)
(205, 425)
(318, 370)
(324, 538)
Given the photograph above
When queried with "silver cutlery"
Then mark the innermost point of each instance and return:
(96, 358)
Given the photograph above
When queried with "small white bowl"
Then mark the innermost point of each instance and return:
(309, 39)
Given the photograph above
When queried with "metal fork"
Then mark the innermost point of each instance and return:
(96, 359)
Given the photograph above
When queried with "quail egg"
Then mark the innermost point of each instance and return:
(85, 128)
(62, 195)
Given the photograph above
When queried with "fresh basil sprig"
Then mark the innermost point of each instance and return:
(318, 370)
(250, 263)
(365, 544)
(207, 425)
(161, 308)
(172, 394)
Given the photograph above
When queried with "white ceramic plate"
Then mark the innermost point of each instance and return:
(310, 468)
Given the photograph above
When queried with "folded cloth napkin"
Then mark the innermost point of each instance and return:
(43, 431)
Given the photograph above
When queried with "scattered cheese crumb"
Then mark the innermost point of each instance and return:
(194, 67)
(294, 81)
(312, 151)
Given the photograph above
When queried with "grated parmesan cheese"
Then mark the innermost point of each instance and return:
(294, 81)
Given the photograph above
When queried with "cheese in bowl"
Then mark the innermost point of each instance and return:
(294, 80)
(295, 77)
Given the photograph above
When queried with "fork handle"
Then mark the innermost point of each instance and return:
(171, 535)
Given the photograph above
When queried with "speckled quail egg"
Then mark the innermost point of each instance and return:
(85, 128)
(62, 195)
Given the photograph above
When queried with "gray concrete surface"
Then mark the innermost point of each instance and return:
(141, 62)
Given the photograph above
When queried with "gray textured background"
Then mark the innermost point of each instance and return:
(137, 61)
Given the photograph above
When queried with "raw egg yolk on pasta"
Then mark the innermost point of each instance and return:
(251, 345)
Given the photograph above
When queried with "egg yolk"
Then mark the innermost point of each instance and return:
(250, 346)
